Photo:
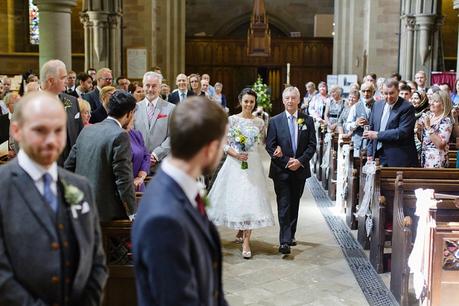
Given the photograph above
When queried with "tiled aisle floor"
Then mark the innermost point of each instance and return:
(316, 273)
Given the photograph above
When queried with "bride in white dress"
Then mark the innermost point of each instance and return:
(238, 198)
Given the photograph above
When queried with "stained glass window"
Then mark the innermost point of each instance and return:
(34, 32)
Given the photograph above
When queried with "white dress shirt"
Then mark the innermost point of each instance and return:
(36, 172)
(186, 182)
(116, 120)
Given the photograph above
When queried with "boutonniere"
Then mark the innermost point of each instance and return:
(301, 125)
(73, 195)
(67, 103)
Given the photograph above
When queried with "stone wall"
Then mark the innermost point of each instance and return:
(366, 37)
(204, 16)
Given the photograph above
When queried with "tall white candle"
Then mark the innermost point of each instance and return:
(288, 73)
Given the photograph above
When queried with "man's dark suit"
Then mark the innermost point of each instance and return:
(102, 154)
(174, 97)
(398, 147)
(93, 97)
(31, 257)
(98, 115)
(74, 124)
(289, 185)
(176, 250)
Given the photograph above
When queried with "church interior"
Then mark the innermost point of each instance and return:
(344, 256)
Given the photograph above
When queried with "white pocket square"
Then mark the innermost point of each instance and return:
(77, 116)
(84, 208)
(304, 128)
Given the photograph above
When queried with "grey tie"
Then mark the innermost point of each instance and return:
(182, 97)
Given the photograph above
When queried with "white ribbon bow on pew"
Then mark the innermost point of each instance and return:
(418, 261)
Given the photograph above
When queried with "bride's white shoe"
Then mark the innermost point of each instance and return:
(246, 254)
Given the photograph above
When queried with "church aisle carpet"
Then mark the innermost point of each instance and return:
(370, 282)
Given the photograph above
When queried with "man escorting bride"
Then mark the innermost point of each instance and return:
(238, 198)
(291, 143)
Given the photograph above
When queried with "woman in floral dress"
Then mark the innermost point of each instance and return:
(436, 127)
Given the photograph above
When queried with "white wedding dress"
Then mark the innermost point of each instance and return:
(238, 198)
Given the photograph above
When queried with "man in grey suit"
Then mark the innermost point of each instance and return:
(152, 118)
(53, 75)
(102, 154)
(50, 239)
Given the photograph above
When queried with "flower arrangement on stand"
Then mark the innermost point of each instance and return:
(263, 95)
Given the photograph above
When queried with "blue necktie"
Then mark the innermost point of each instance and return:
(48, 194)
(383, 125)
(291, 127)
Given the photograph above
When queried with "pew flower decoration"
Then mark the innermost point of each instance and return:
(242, 139)
(263, 95)
(72, 194)
(67, 103)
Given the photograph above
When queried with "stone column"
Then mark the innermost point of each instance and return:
(55, 30)
(456, 7)
(406, 47)
(169, 42)
(102, 35)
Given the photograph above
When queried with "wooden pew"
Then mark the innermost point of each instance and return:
(443, 275)
(382, 203)
(120, 289)
(405, 223)
(116, 238)
(332, 172)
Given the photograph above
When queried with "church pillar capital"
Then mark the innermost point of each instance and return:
(55, 30)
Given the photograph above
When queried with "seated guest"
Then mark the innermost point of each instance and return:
(85, 111)
(359, 117)
(435, 128)
(310, 93)
(317, 105)
(195, 84)
(455, 95)
(136, 89)
(182, 91)
(334, 107)
(210, 89)
(420, 103)
(219, 97)
(11, 99)
(31, 87)
(103, 78)
(84, 81)
(140, 157)
(391, 131)
(122, 83)
(405, 92)
(101, 113)
(102, 154)
(353, 98)
(51, 246)
(165, 91)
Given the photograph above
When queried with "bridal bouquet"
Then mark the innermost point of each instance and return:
(242, 139)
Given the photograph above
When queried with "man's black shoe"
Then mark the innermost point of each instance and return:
(284, 249)
(292, 243)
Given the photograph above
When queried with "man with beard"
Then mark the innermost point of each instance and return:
(152, 119)
(102, 154)
(177, 254)
(359, 116)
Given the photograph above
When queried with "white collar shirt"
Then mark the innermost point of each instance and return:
(295, 123)
(36, 172)
(116, 120)
(186, 182)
